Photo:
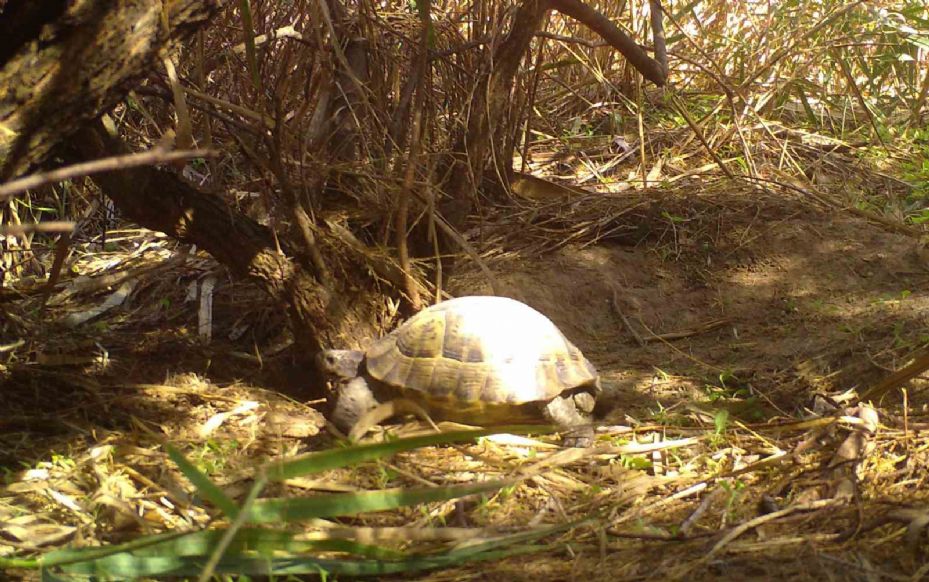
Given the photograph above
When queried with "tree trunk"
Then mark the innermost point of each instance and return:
(159, 200)
(65, 63)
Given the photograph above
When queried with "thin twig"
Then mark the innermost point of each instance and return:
(703, 328)
(762, 519)
(616, 307)
(146, 158)
(51, 226)
(61, 253)
(898, 378)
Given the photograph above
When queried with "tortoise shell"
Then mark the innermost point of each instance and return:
(476, 352)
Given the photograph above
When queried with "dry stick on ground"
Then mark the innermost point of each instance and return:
(50, 226)
(616, 307)
(762, 519)
(679, 351)
(697, 513)
(702, 328)
(88, 285)
(916, 520)
(61, 247)
(651, 508)
(61, 253)
(898, 378)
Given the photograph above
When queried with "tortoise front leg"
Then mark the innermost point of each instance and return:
(350, 401)
(573, 412)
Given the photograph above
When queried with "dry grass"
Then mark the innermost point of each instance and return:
(721, 493)
(738, 277)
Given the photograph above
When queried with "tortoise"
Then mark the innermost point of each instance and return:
(481, 360)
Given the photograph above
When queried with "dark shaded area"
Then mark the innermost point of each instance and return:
(21, 21)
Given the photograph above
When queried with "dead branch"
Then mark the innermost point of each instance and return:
(420, 73)
(661, 49)
(50, 226)
(159, 200)
(898, 378)
(75, 77)
(638, 58)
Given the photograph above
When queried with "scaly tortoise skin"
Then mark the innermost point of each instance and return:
(476, 360)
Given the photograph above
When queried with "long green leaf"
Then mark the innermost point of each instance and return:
(65, 556)
(123, 566)
(303, 508)
(48, 576)
(209, 490)
(186, 557)
(334, 458)
(263, 541)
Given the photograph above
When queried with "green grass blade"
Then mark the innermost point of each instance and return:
(302, 508)
(186, 554)
(209, 490)
(47, 576)
(127, 566)
(258, 552)
(263, 542)
(318, 462)
(66, 556)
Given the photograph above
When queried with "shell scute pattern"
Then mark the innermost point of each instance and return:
(479, 352)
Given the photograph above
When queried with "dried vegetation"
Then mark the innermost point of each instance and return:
(741, 253)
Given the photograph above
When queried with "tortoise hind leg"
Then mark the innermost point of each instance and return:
(349, 402)
(573, 412)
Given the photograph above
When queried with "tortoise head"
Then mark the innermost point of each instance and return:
(340, 363)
